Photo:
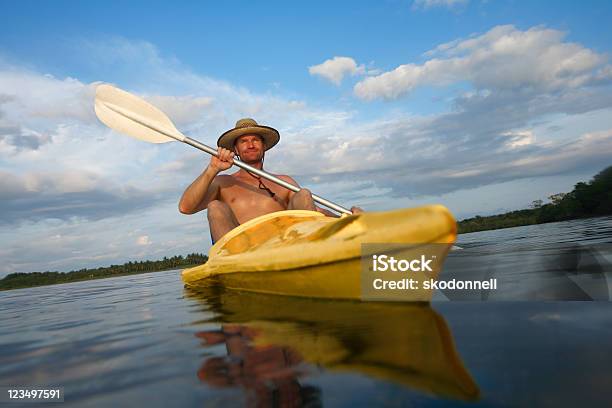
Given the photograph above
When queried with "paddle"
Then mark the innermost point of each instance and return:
(133, 116)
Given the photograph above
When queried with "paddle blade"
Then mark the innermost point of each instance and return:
(133, 116)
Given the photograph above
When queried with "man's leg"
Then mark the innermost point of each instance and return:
(302, 200)
(221, 219)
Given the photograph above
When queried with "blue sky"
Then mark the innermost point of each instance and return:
(483, 106)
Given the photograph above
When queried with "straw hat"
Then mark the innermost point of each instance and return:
(248, 126)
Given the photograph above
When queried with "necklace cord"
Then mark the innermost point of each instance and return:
(262, 186)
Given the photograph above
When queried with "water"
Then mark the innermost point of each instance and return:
(145, 339)
(569, 260)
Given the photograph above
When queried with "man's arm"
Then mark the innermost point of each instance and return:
(205, 188)
(202, 191)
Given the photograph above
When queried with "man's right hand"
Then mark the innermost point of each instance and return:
(223, 161)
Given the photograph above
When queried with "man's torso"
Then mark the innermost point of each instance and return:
(247, 200)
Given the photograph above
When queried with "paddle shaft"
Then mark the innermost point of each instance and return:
(267, 176)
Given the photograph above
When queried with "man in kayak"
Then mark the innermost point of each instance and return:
(233, 199)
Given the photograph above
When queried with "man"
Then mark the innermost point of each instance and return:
(234, 199)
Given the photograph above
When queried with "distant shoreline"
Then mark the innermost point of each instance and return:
(94, 278)
(586, 200)
(33, 279)
(493, 217)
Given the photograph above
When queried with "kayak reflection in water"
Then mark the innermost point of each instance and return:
(269, 373)
(271, 341)
(233, 199)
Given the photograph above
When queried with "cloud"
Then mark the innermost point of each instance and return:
(14, 139)
(143, 240)
(64, 196)
(32, 97)
(419, 156)
(520, 138)
(183, 110)
(426, 4)
(336, 68)
(590, 151)
(502, 59)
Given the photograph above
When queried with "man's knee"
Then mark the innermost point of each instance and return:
(304, 193)
(302, 200)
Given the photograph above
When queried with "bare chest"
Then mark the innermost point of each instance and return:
(247, 200)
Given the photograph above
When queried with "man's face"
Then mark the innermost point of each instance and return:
(250, 148)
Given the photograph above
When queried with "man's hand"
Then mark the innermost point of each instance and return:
(223, 161)
(356, 210)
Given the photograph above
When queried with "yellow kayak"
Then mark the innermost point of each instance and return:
(304, 253)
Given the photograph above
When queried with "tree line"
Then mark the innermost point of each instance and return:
(590, 199)
(25, 280)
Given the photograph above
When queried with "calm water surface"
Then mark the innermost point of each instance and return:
(145, 339)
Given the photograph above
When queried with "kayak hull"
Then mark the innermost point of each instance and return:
(337, 280)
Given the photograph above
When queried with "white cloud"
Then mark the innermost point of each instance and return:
(34, 196)
(520, 138)
(143, 240)
(504, 58)
(437, 3)
(34, 98)
(183, 110)
(336, 68)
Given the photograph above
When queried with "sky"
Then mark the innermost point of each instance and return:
(482, 106)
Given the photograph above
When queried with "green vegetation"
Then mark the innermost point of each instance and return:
(26, 280)
(592, 199)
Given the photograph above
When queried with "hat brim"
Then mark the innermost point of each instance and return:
(269, 135)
